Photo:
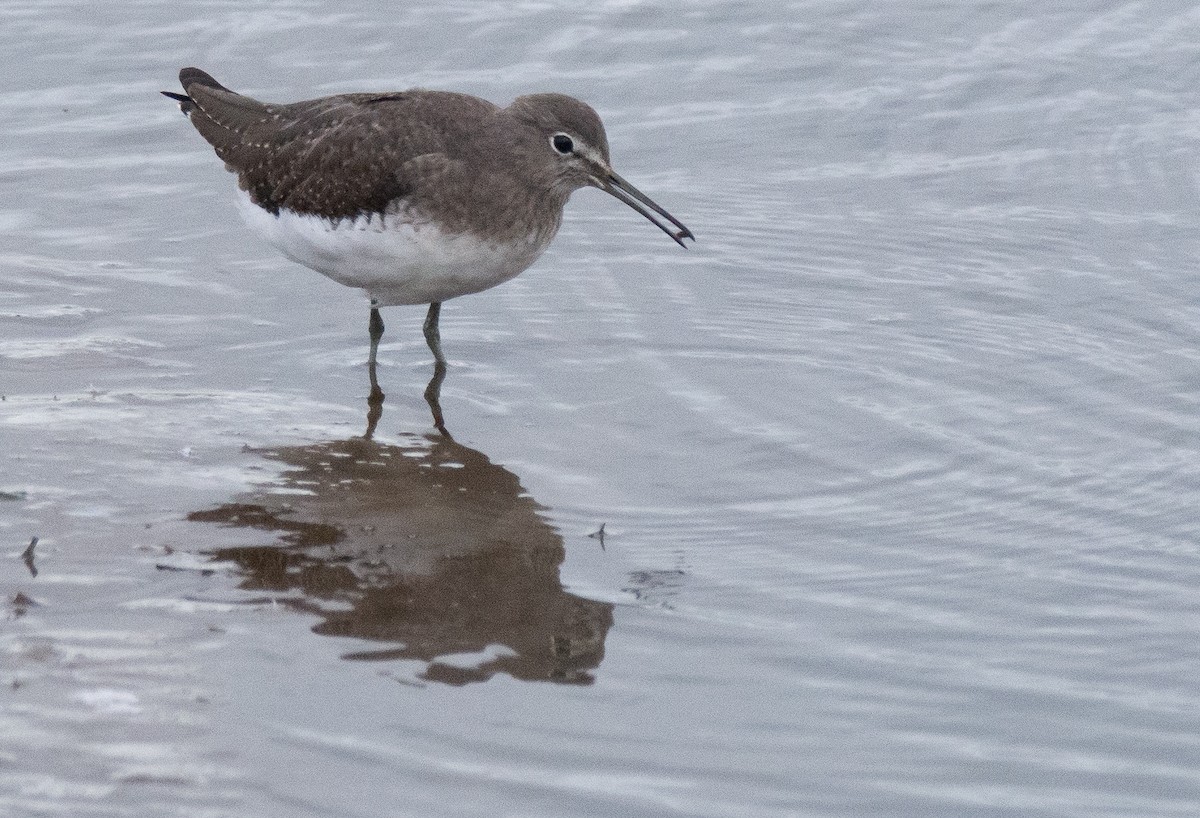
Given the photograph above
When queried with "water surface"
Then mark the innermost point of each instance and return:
(896, 466)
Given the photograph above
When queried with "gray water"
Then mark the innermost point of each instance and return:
(897, 466)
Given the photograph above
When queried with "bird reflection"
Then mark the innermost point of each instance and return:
(424, 546)
(433, 396)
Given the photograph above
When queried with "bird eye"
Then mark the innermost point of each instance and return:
(562, 143)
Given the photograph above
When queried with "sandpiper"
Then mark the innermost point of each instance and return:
(414, 196)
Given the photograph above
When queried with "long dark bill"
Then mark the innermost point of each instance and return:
(630, 195)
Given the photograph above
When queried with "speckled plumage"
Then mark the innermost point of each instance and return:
(411, 153)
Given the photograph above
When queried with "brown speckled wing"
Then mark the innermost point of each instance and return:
(339, 157)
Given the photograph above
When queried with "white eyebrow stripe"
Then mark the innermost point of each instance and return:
(589, 153)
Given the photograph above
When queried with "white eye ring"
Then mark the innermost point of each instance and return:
(562, 144)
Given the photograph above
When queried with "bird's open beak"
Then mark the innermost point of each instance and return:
(611, 183)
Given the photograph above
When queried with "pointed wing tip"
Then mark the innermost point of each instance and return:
(194, 76)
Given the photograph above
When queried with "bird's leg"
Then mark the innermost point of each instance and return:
(433, 392)
(432, 336)
(375, 399)
(375, 327)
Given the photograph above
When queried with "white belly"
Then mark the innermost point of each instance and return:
(394, 261)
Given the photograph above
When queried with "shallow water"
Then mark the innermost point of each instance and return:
(896, 466)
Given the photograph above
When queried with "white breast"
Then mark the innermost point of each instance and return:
(395, 261)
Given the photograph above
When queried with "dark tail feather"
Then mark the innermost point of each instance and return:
(185, 102)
